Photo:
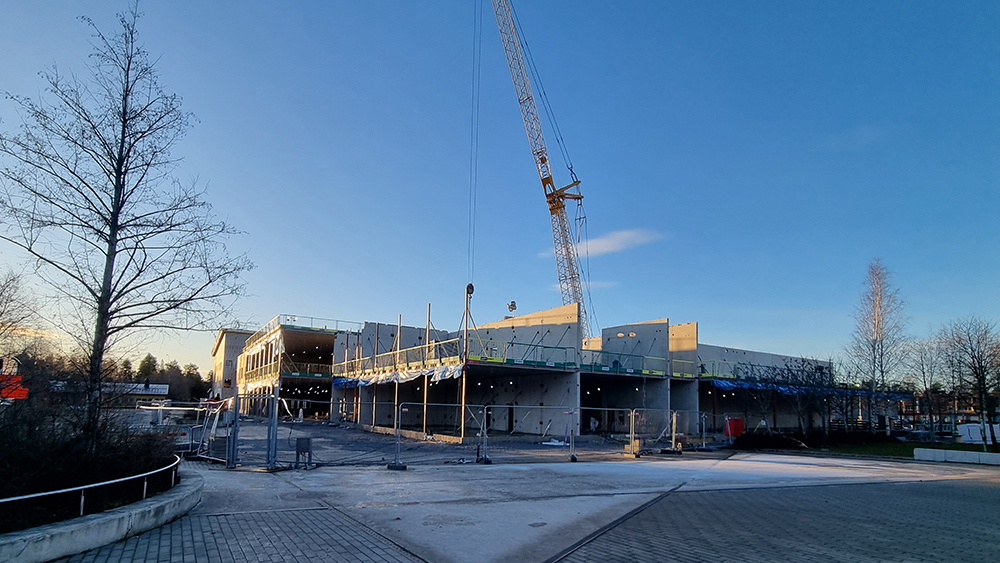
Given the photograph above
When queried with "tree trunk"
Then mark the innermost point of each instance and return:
(990, 417)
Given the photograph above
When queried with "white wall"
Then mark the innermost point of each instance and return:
(720, 360)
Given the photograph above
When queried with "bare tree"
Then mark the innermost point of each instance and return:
(878, 344)
(925, 365)
(973, 345)
(925, 370)
(758, 397)
(16, 314)
(810, 383)
(92, 200)
(844, 400)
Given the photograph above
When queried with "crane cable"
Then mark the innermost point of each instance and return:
(536, 78)
(477, 47)
(581, 221)
(550, 116)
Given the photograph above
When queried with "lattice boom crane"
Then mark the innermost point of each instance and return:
(567, 262)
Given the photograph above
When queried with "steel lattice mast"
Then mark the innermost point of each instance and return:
(567, 263)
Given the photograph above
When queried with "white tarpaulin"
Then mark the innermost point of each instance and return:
(435, 374)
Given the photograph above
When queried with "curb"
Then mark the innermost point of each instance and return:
(956, 456)
(52, 541)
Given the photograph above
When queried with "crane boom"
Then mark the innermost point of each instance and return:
(567, 262)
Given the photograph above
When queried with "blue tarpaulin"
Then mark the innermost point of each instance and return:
(784, 389)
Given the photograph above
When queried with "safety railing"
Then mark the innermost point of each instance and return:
(298, 321)
(53, 506)
(450, 351)
(613, 362)
(305, 369)
(521, 353)
(432, 354)
(258, 377)
(683, 368)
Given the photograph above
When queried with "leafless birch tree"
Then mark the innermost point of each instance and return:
(878, 344)
(90, 197)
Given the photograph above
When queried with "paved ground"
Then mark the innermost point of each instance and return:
(306, 534)
(915, 521)
(695, 507)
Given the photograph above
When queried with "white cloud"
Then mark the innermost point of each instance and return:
(617, 241)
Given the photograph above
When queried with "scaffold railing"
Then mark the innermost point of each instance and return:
(449, 352)
(425, 355)
(305, 368)
(299, 321)
(683, 368)
(521, 353)
(614, 362)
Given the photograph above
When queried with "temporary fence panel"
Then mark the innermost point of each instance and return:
(614, 424)
(530, 420)
(547, 425)
(445, 419)
(653, 428)
(692, 427)
(216, 431)
(304, 409)
(182, 421)
(412, 415)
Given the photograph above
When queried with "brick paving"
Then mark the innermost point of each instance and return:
(317, 534)
(919, 521)
(259, 517)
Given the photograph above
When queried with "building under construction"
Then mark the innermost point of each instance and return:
(532, 374)
(519, 374)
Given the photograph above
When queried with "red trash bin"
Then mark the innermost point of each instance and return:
(734, 427)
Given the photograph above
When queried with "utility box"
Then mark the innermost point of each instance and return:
(303, 446)
(303, 449)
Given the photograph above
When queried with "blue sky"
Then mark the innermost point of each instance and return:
(742, 163)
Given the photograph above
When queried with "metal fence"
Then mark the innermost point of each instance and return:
(559, 423)
(520, 430)
(182, 421)
(640, 430)
(54, 506)
(610, 423)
